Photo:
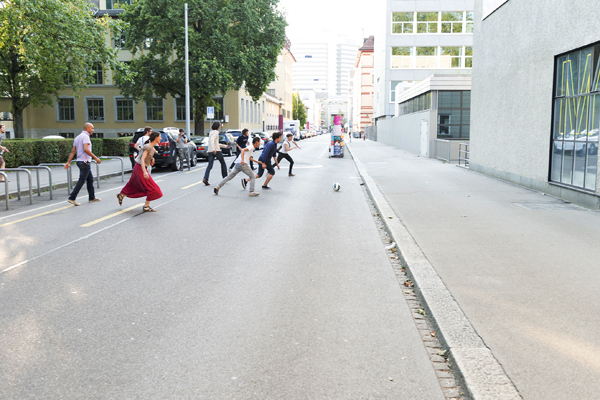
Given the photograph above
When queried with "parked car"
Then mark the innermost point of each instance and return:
(264, 139)
(53, 137)
(166, 151)
(201, 144)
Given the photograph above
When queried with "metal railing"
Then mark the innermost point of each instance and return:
(447, 150)
(122, 166)
(69, 180)
(463, 155)
(5, 187)
(37, 173)
(17, 170)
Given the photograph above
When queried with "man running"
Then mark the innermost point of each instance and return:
(285, 149)
(241, 165)
(270, 151)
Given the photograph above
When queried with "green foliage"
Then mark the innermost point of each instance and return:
(298, 110)
(43, 41)
(38, 151)
(231, 43)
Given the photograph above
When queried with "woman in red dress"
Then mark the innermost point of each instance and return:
(141, 183)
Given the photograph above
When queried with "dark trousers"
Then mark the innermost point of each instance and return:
(211, 160)
(85, 176)
(281, 156)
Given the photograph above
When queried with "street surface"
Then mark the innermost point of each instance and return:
(289, 295)
(523, 266)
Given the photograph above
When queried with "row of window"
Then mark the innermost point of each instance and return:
(432, 57)
(252, 111)
(432, 22)
(95, 109)
(416, 104)
(576, 118)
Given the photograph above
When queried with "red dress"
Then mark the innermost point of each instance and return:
(138, 186)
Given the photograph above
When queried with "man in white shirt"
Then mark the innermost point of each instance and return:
(214, 151)
(285, 149)
(242, 164)
(140, 144)
(82, 146)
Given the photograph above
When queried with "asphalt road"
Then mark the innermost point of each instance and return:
(288, 295)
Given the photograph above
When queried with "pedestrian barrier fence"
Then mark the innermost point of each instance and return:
(122, 167)
(463, 155)
(447, 150)
(5, 187)
(37, 173)
(69, 180)
(17, 170)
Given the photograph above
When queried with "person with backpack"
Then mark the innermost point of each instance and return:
(141, 183)
(284, 150)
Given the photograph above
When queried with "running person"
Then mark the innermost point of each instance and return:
(270, 151)
(285, 149)
(214, 151)
(241, 165)
(141, 183)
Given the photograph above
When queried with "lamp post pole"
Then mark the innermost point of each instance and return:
(187, 76)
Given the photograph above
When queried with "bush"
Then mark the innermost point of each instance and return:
(39, 151)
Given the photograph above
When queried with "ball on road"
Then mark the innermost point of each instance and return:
(336, 186)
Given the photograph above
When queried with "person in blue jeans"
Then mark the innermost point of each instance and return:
(82, 146)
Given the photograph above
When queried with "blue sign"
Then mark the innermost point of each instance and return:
(210, 112)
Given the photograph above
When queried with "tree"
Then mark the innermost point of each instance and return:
(298, 109)
(46, 43)
(231, 43)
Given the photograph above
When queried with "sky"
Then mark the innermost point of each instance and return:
(315, 19)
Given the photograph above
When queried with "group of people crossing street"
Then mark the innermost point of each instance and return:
(141, 183)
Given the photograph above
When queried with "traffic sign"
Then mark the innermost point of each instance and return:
(210, 113)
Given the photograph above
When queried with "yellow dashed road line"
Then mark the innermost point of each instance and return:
(110, 216)
(34, 216)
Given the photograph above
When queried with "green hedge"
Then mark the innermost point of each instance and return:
(38, 151)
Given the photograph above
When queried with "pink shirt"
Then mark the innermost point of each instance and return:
(80, 140)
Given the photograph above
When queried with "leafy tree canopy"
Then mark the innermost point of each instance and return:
(44, 41)
(231, 43)
(298, 109)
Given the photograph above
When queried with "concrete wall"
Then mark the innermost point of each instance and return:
(513, 71)
(405, 131)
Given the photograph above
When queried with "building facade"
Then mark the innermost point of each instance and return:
(312, 68)
(281, 87)
(536, 101)
(362, 102)
(421, 38)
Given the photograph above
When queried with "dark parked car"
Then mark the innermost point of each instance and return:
(201, 143)
(166, 151)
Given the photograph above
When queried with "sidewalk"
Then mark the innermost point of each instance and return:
(521, 266)
(108, 168)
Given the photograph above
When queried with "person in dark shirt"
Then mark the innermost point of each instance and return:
(241, 143)
(270, 151)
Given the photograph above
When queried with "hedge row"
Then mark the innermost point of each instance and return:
(38, 151)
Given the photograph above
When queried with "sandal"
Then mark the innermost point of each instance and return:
(148, 209)
(120, 197)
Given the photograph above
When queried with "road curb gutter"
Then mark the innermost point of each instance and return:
(481, 375)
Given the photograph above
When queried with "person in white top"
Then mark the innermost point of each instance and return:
(214, 150)
(140, 144)
(242, 164)
(288, 146)
(2, 150)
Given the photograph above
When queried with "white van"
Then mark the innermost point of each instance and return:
(292, 127)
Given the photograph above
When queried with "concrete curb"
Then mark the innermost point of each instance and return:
(62, 185)
(481, 375)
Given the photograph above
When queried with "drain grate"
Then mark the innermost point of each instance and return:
(549, 206)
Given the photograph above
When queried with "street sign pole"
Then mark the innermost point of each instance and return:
(187, 77)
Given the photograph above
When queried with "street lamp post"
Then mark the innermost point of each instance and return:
(187, 76)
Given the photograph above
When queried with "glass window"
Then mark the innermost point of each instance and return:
(427, 22)
(454, 114)
(154, 110)
(180, 109)
(116, 4)
(95, 110)
(452, 22)
(66, 109)
(96, 73)
(219, 110)
(450, 57)
(242, 111)
(468, 57)
(576, 119)
(124, 110)
(426, 57)
(119, 40)
(402, 22)
(402, 57)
